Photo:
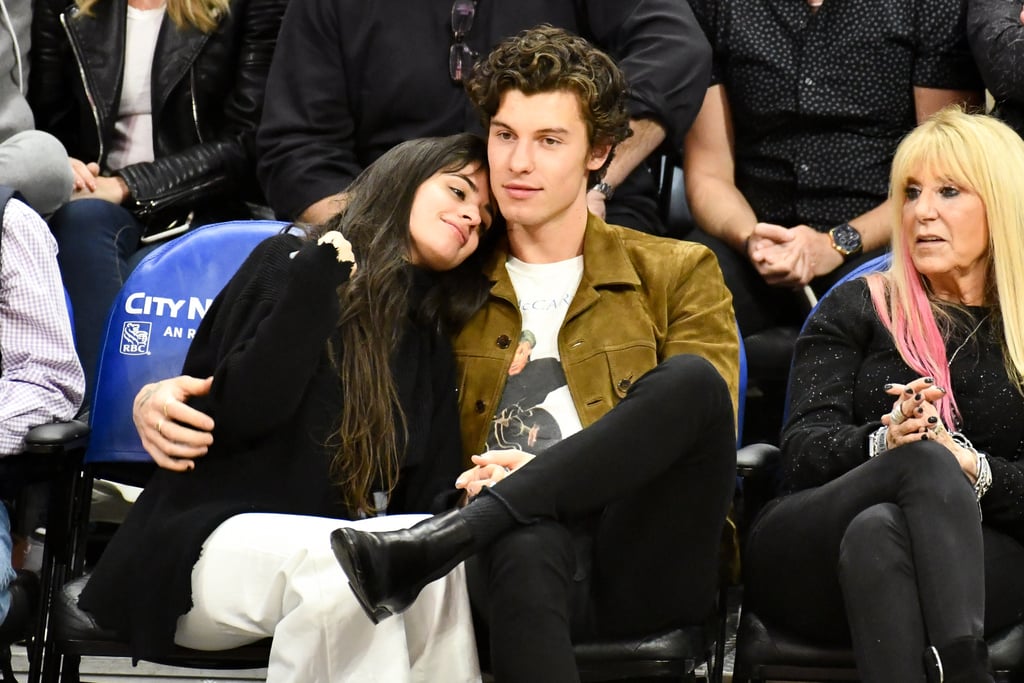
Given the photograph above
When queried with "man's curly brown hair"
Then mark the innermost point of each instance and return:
(546, 59)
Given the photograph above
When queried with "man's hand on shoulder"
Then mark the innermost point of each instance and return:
(172, 432)
(596, 203)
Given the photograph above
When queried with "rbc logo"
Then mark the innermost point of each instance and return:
(135, 338)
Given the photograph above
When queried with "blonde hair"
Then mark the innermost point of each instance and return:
(986, 156)
(203, 15)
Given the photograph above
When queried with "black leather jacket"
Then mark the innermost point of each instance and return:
(207, 101)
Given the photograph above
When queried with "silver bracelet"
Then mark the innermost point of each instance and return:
(877, 443)
(984, 480)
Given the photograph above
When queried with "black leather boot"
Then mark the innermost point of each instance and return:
(388, 569)
(965, 660)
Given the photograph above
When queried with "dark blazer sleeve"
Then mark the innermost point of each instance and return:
(662, 50)
(821, 439)
(306, 138)
(265, 335)
(226, 163)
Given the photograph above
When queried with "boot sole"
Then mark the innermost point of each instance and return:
(345, 553)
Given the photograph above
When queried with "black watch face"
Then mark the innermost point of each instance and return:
(846, 238)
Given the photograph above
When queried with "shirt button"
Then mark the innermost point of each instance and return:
(480, 406)
(624, 384)
(503, 341)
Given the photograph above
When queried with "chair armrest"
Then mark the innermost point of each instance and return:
(57, 437)
(757, 459)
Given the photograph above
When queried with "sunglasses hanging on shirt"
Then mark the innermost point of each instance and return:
(461, 56)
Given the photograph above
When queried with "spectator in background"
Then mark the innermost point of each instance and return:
(31, 162)
(40, 377)
(351, 79)
(904, 453)
(787, 163)
(157, 105)
(995, 31)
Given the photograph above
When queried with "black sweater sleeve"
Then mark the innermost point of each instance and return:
(823, 437)
(265, 336)
(306, 139)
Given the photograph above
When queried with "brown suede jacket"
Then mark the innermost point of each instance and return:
(642, 299)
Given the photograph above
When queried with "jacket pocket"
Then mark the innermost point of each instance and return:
(628, 364)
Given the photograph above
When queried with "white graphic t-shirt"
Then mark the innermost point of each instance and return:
(536, 409)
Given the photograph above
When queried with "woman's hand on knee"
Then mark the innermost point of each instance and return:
(84, 175)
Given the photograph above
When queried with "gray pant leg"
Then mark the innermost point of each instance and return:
(36, 164)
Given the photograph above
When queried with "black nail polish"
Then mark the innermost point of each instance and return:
(942, 389)
(917, 397)
(932, 419)
(888, 386)
(919, 410)
(929, 380)
(924, 437)
(908, 390)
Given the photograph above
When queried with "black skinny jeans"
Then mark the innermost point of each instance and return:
(640, 496)
(890, 557)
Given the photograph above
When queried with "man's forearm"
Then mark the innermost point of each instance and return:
(323, 210)
(720, 210)
(875, 226)
(634, 150)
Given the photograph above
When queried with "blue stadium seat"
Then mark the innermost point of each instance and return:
(153, 321)
(149, 329)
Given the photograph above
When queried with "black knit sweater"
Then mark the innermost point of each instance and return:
(845, 356)
(275, 399)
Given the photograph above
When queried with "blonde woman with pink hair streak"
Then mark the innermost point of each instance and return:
(903, 520)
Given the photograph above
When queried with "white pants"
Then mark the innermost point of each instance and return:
(267, 575)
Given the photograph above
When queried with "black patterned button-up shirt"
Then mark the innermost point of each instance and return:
(820, 99)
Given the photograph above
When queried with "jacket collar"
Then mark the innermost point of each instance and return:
(605, 263)
(176, 50)
(102, 68)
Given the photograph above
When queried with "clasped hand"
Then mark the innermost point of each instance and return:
(914, 417)
(791, 257)
(490, 468)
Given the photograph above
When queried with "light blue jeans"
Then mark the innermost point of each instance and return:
(6, 569)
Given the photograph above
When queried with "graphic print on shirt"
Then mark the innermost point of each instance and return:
(522, 422)
(536, 409)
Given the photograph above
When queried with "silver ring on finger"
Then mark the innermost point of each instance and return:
(160, 426)
(897, 416)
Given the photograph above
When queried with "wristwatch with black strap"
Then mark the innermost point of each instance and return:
(846, 240)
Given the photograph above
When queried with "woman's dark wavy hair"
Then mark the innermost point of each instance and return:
(546, 59)
(370, 437)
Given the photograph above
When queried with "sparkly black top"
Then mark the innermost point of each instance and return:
(821, 99)
(843, 358)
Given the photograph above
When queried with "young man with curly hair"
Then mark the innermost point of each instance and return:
(613, 529)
